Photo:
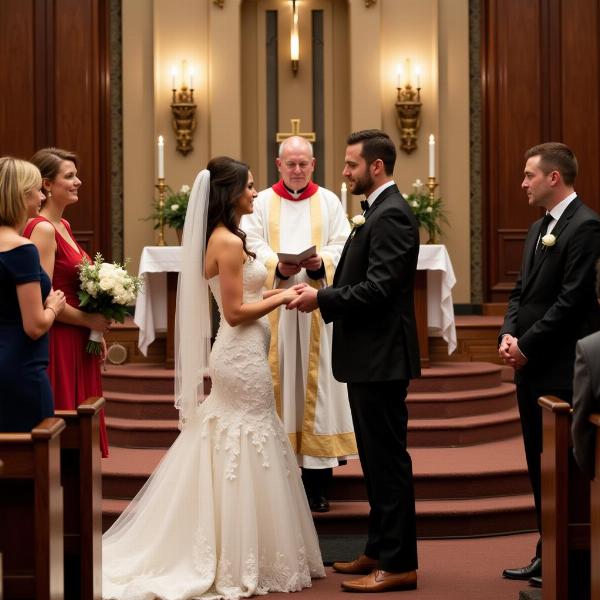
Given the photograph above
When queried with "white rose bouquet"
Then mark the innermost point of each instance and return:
(105, 288)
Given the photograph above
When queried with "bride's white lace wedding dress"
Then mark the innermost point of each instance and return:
(224, 515)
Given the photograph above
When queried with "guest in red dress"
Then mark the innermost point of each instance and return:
(74, 374)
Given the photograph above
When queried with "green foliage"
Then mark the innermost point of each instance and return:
(175, 208)
(430, 214)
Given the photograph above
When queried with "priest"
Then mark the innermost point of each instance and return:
(290, 217)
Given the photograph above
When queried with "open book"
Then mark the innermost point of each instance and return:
(296, 259)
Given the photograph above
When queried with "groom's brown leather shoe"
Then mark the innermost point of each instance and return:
(382, 581)
(363, 565)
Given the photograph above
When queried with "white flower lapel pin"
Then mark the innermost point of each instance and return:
(355, 222)
(548, 240)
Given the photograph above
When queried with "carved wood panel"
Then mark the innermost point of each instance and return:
(54, 76)
(540, 71)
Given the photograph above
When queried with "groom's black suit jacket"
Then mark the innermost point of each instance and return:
(553, 303)
(371, 301)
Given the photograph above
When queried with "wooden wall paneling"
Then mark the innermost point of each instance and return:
(17, 108)
(81, 116)
(512, 85)
(580, 73)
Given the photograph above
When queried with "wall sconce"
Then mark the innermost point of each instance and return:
(183, 109)
(295, 40)
(408, 108)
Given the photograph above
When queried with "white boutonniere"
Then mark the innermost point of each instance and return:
(548, 240)
(355, 222)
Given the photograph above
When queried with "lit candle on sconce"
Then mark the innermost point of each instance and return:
(344, 197)
(418, 75)
(184, 74)
(161, 157)
(399, 76)
(431, 156)
(407, 71)
(173, 76)
(192, 73)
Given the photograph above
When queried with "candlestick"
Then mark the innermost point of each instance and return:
(418, 75)
(431, 156)
(344, 197)
(399, 76)
(161, 157)
(161, 186)
(407, 71)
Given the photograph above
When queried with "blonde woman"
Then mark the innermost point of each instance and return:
(27, 306)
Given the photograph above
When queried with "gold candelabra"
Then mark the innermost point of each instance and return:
(432, 184)
(183, 109)
(408, 116)
(161, 186)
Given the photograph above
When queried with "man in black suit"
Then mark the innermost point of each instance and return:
(375, 350)
(553, 303)
(586, 396)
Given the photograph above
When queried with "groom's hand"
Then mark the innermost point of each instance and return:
(306, 301)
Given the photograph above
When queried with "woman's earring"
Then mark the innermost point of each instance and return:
(48, 194)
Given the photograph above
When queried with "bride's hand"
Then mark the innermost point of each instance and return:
(288, 295)
(273, 292)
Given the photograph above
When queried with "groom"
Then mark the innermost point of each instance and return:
(375, 351)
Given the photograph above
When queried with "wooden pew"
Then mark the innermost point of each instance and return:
(565, 509)
(31, 512)
(81, 478)
(595, 514)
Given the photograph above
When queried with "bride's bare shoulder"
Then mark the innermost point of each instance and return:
(223, 239)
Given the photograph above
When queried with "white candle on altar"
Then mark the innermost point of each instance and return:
(431, 156)
(344, 197)
(161, 157)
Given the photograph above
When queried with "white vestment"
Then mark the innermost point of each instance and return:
(312, 404)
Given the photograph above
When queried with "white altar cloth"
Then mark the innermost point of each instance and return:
(156, 261)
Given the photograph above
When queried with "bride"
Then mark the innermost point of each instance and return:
(224, 515)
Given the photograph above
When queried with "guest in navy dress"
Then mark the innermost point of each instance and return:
(28, 307)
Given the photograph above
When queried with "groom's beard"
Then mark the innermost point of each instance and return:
(363, 185)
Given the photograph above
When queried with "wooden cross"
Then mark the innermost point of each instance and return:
(310, 136)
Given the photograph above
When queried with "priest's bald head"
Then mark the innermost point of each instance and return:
(296, 162)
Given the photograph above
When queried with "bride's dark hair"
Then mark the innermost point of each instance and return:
(228, 180)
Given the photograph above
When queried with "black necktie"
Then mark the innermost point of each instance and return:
(364, 205)
(548, 218)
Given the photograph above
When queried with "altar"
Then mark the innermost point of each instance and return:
(159, 266)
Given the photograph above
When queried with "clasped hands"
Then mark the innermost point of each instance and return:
(509, 352)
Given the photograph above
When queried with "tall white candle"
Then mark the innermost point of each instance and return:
(344, 197)
(431, 156)
(173, 74)
(161, 157)
(399, 76)
(418, 75)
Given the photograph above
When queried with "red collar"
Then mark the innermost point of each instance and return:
(281, 190)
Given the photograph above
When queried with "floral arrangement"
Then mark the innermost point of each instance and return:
(105, 288)
(429, 213)
(174, 209)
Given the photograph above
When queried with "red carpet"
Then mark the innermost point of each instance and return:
(464, 569)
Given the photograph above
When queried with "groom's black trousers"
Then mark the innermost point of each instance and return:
(380, 423)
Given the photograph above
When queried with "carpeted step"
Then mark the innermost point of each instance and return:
(138, 379)
(457, 376)
(423, 405)
(128, 405)
(496, 469)
(141, 433)
(461, 431)
(435, 519)
(440, 518)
